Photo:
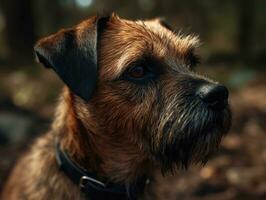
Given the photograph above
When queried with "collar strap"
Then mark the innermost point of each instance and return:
(94, 188)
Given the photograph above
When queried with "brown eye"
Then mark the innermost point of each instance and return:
(137, 72)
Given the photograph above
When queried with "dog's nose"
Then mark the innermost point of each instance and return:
(216, 96)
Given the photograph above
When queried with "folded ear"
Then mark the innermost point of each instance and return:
(164, 23)
(72, 54)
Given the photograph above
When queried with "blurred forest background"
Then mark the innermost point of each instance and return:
(233, 35)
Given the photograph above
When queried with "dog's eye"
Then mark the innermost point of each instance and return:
(137, 72)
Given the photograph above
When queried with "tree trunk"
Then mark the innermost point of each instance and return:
(246, 22)
(19, 29)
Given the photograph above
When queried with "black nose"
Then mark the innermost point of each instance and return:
(216, 96)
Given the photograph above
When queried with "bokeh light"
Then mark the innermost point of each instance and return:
(83, 3)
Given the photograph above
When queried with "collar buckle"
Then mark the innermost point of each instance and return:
(84, 180)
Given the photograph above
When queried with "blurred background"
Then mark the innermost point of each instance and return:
(233, 36)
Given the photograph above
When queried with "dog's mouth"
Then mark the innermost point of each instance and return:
(191, 134)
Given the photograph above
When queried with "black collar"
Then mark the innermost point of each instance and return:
(92, 187)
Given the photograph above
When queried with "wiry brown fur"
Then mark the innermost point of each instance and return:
(119, 133)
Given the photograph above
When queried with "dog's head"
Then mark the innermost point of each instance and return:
(137, 79)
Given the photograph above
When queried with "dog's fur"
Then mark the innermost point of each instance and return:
(126, 130)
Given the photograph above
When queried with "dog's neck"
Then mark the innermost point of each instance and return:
(107, 154)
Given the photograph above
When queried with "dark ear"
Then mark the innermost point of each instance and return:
(72, 54)
(164, 23)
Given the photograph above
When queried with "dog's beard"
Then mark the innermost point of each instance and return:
(188, 133)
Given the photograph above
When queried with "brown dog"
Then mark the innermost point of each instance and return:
(133, 104)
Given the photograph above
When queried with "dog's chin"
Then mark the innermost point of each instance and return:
(194, 139)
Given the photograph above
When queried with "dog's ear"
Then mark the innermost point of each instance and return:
(72, 54)
(164, 23)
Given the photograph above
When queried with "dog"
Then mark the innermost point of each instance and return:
(132, 104)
